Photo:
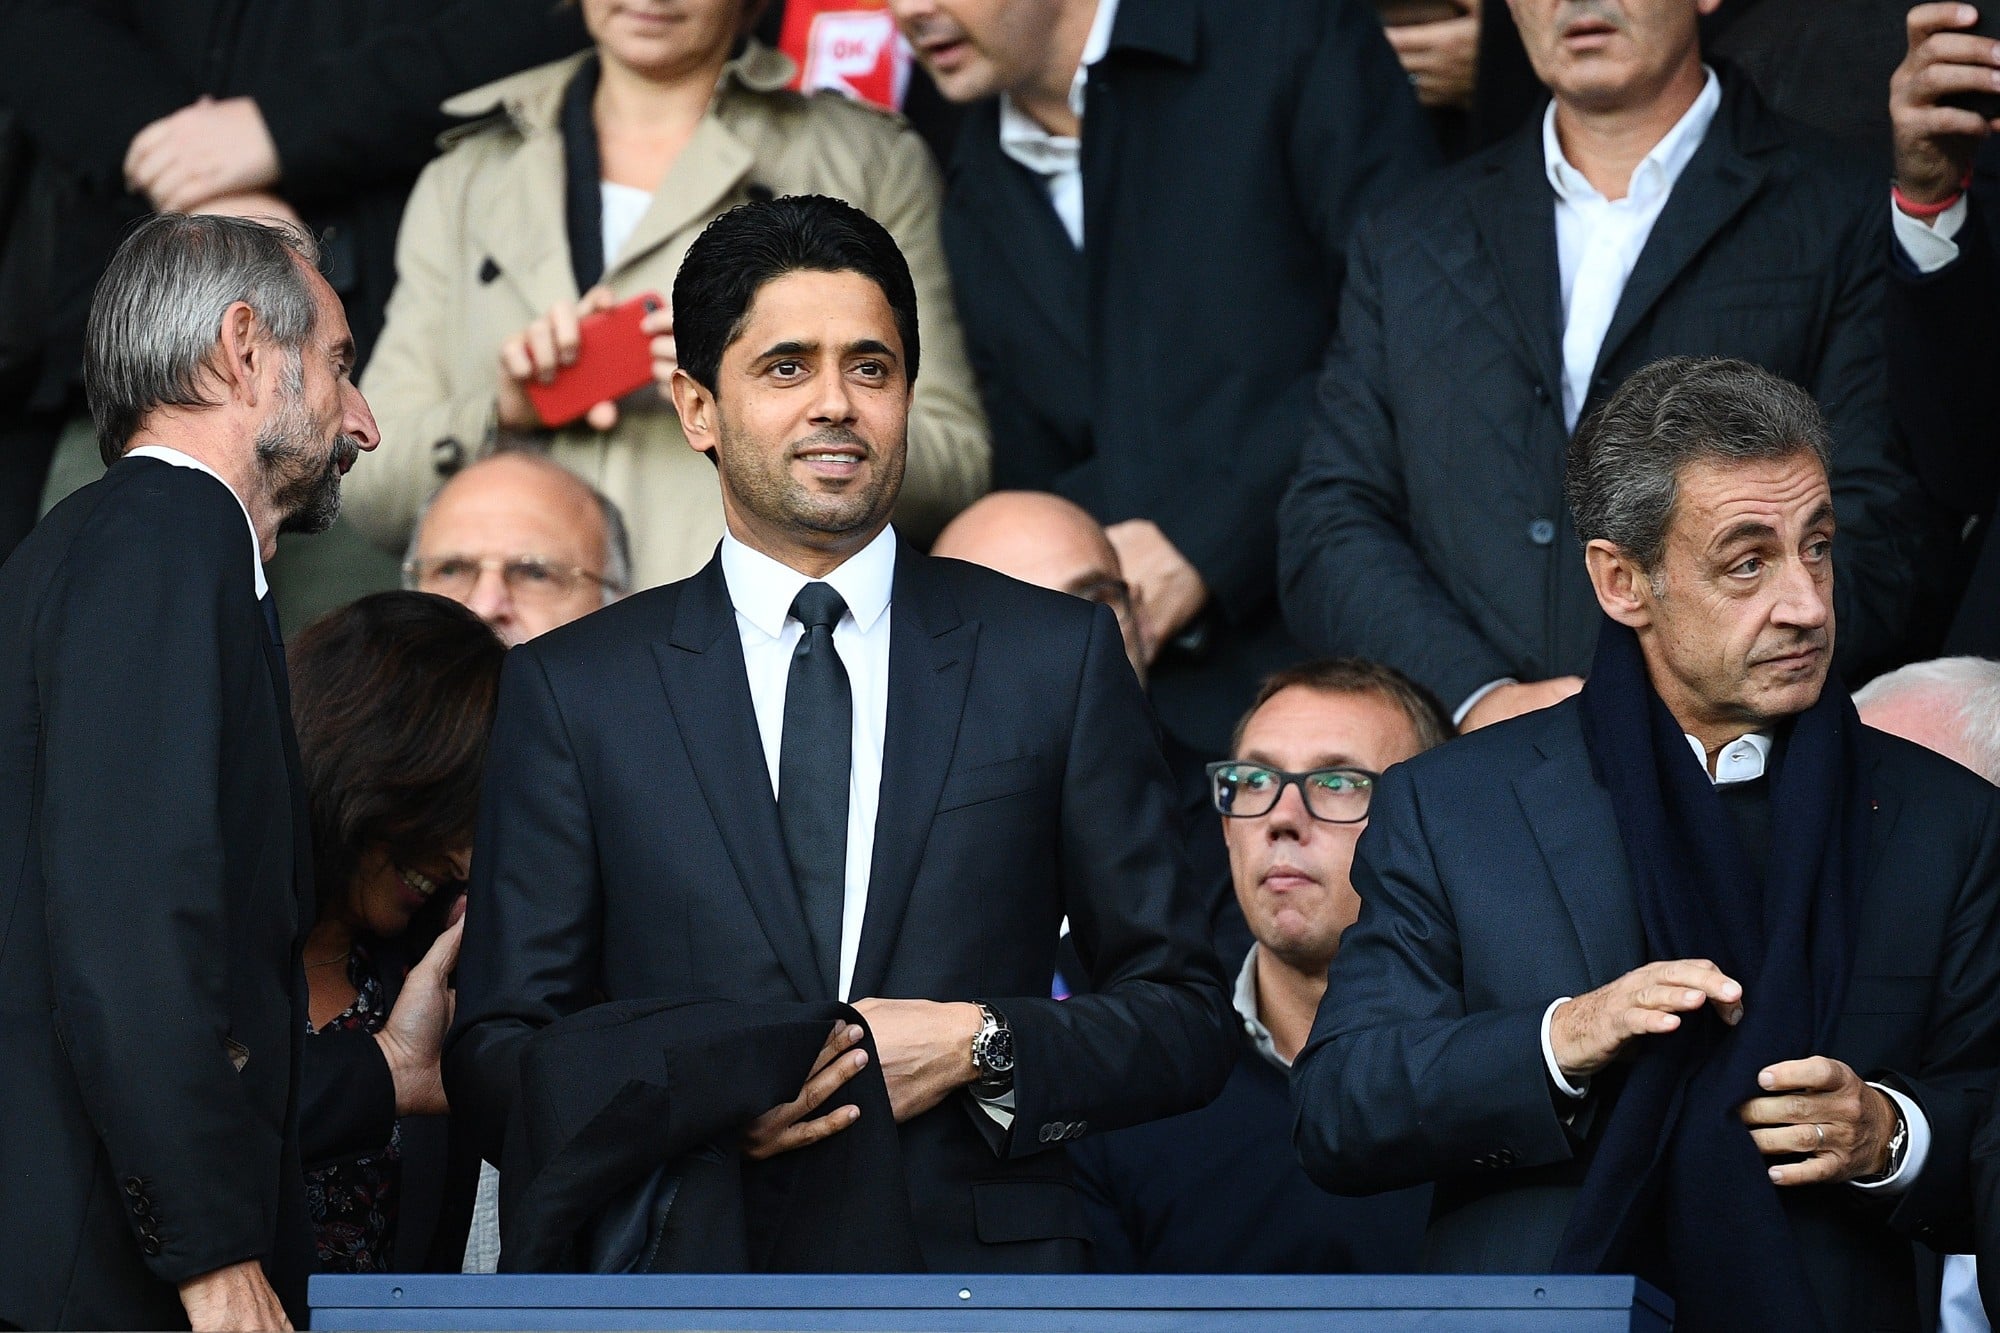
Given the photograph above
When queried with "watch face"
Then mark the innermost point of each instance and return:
(997, 1052)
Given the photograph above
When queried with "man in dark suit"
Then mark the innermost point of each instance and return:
(1220, 1190)
(1944, 291)
(829, 768)
(1777, 925)
(1657, 208)
(1147, 287)
(158, 882)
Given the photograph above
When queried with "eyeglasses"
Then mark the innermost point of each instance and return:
(529, 578)
(1334, 795)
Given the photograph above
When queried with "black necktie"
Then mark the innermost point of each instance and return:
(814, 757)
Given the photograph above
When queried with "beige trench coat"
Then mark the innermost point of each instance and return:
(484, 250)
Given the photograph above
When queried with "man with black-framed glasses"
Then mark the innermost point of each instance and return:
(1220, 1190)
(524, 543)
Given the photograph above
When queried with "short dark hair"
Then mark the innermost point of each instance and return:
(1429, 723)
(1624, 465)
(393, 698)
(754, 243)
(156, 315)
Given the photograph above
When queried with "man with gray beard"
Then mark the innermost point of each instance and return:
(156, 890)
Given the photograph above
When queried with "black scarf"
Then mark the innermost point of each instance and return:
(1677, 1190)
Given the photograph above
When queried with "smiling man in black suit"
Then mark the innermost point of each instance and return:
(827, 767)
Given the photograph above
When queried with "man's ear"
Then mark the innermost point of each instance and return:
(1623, 589)
(696, 406)
(242, 353)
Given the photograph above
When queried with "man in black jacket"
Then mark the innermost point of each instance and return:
(1944, 291)
(829, 768)
(158, 884)
(1146, 286)
(323, 112)
(1658, 208)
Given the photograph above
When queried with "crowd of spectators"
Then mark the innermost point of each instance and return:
(1271, 327)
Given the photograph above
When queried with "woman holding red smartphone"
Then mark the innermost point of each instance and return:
(577, 193)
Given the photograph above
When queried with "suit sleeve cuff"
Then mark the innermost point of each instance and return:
(1574, 1091)
(1929, 246)
(1912, 1166)
(999, 1108)
(1458, 720)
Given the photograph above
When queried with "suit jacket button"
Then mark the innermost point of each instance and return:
(1082, 1125)
(151, 1245)
(133, 1187)
(1541, 532)
(1048, 1132)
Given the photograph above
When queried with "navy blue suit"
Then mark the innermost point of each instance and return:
(1493, 881)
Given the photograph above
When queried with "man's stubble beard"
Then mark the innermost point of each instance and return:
(775, 497)
(304, 484)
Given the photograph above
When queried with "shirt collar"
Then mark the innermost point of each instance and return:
(1657, 171)
(178, 459)
(1742, 760)
(761, 589)
(1246, 1009)
(1018, 128)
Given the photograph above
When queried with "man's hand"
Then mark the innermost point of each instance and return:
(1821, 1108)
(1935, 143)
(1505, 701)
(1441, 58)
(412, 1039)
(926, 1050)
(205, 149)
(539, 351)
(786, 1128)
(259, 205)
(1168, 592)
(1587, 1033)
(234, 1298)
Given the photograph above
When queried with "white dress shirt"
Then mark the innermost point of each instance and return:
(1598, 240)
(1744, 760)
(761, 590)
(1058, 158)
(179, 459)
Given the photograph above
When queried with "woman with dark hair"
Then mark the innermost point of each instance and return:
(393, 700)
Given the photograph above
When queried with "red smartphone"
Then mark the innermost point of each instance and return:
(613, 357)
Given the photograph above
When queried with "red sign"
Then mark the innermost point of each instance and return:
(850, 46)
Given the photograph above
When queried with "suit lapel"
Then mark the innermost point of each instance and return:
(295, 773)
(1023, 230)
(1577, 832)
(1514, 210)
(1720, 179)
(930, 665)
(708, 691)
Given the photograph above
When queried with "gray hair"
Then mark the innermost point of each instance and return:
(617, 538)
(1624, 465)
(157, 313)
(1970, 686)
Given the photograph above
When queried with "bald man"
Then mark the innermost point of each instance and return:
(1050, 542)
(1046, 540)
(523, 542)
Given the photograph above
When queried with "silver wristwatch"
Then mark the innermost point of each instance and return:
(993, 1052)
